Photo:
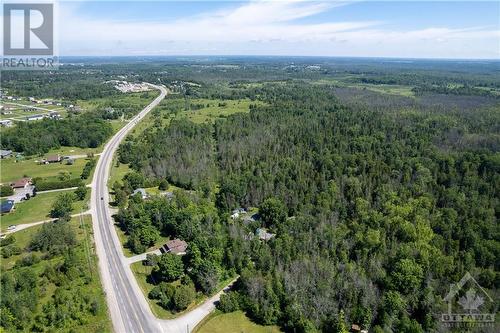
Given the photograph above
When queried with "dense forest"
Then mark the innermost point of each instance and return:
(85, 131)
(376, 210)
(377, 181)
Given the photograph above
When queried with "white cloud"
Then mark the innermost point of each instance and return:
(268, 27)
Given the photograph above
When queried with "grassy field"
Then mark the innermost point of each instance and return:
(37, 209)
(348, 81)
(65, 151)
(215, 109)
(129, 101)
(84, 235)
(10, 170)
(117, 172)
(388, 89)
(234, 322)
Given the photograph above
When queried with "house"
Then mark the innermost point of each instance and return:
(54, 115)
(21, 183)
(175, 246)
(6, 123)
(7, 206)
(29, 109)
(53, 159)
(169, 195)
(74, 108)
(35, 117)
(236, 213)
(143, 193)
(263, 234)
(5, 153)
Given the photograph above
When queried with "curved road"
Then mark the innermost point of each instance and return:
(130, 311)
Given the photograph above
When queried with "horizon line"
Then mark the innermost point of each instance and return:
(275, 56)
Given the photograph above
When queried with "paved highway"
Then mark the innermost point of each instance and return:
(128, 307)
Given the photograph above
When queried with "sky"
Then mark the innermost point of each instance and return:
(402, 29)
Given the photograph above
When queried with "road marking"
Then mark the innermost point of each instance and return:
(121, 288)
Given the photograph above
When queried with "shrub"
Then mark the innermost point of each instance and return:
(6, 190)
(11, 250)
(81, 192)
(63, 206)
(28, 260)
(7, 241)
(169, 267)
(87, 169)
(183, 296)
(163, 185)
(229, 302)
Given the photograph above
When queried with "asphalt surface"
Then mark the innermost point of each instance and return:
(129, 310)
(128, 307)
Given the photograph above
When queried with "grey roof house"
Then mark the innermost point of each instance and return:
(5, 153)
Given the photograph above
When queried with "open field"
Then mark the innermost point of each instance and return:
(212, 109)
(234, 322)
(215, 109)
(37, 209)
(129, 102)
(10, 170)
(68, 151)
(388, 89)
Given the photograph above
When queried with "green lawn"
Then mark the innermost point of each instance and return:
(37, 209)
(10, 170)
(234, 322)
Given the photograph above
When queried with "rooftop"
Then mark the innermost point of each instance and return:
(176, 246)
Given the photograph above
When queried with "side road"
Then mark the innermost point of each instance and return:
(20, 227)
